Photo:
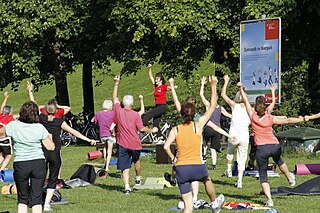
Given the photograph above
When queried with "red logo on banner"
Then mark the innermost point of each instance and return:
(272, 29)
(268, 97)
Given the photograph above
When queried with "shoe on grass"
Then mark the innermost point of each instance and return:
(292, 180)
(217, 203)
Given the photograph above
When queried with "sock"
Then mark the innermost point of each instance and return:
(127, 187)
(138, 177)
(229, 166)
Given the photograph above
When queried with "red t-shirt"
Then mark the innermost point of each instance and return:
(59, 112)
(128, 122)
(263, 132)
(5, 119)
(160, 94)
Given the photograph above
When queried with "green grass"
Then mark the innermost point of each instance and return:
(107, 195)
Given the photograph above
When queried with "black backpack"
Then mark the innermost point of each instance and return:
(85, 172)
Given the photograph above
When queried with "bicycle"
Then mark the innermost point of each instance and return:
(152, 137)
(66, 137)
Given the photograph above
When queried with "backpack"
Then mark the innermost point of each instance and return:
(85, 172)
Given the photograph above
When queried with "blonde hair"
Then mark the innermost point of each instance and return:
(51, 109)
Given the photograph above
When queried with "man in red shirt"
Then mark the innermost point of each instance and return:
(129, 123)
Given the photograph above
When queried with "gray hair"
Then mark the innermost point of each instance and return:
(7, 110)
(238, 98)
(127, 100)
(107, 104)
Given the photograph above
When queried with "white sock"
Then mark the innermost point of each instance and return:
(138, 177)
(229, 166)
(127, 187)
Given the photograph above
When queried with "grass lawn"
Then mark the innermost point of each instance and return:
(107, 194)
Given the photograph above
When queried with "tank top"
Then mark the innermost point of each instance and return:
(216, 115)
(189, 145)
(239, 121)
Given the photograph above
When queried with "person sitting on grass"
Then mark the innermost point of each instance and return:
(190, 165)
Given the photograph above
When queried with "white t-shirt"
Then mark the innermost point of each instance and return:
(239, 122)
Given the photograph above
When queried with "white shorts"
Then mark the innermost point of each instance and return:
(108, 139)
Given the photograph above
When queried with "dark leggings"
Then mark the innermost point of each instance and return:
(262, 156)
(214, 137)
(53, 163)
(156, 114)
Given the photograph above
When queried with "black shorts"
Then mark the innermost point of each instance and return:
(126, 157)
(6, 146)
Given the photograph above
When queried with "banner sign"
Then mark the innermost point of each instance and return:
(260, 57)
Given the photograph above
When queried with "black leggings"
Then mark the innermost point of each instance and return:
(53, 163)
(214, 137)
(262, 156)
(156, 114)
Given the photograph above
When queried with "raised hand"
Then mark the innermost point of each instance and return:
(213, 80)
(203, 80)
(226, 78)
(171, 81)
(140, 96)
(273, 87)
(239, 84)
(116, 79)
(149, 65)
(29, 86)
(6, 94)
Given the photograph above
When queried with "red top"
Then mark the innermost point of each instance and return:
(128, 122)
(263, 132)
(5, 119)
(59, 112)
(160, 95)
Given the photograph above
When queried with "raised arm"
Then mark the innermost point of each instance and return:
(204, 100)
(213, 103)
(312, 117)
(74, 132)
(174, 95)
(30, 91)
(142, 110)
(273, 94)
(4, 102)
(224, 95)
(150, 73)
(115, 89)
(245, 99)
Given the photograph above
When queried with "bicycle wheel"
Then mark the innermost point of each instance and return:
(91, 133)
(65, 139)
(145, 137)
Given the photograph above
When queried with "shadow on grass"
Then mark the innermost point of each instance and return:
(115, 175)
(109, 187)
(224, 183)
(165, 196)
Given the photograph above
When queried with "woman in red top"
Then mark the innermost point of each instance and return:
(266, 142)
(160, 97)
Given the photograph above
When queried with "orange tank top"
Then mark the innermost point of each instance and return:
(189, 145)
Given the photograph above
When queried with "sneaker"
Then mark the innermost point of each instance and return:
(239, 184)
(292, 180)
(217, 203)
(127, 191)
(138, 182)
(228, 174)
(168, 177)
(213, 167)
(269, 203)
(47, 208)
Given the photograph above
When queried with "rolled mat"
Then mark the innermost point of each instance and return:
(307, 169)
(7, 175)
(95, 154)
(9, 189)
(102, 173)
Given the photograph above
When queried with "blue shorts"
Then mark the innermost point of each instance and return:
(126, 157)
(189, 173)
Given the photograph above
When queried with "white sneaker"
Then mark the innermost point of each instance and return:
(228, 173)
(292, 180)
(239, 184)
(138, 182)
(47, 208)
(269, 203)
(217, 203)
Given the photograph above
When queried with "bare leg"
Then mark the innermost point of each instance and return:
(137, 167)
(188, 204)
(22, 208)
(195, 190)
(109, 155)
(37, 209)
(49, 196)
(125, 176)
(266, 190)
(209, 189)
(284, 169)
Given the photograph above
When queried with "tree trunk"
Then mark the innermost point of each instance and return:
(313, 83)
(60, 75)
(88, 101)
